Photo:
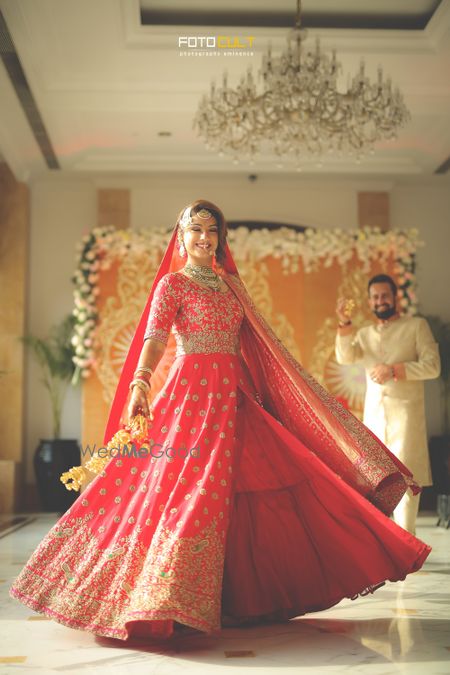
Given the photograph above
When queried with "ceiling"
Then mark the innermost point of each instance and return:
(91, 85)
(401, 14)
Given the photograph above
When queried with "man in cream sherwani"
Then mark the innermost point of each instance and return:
(398, 353)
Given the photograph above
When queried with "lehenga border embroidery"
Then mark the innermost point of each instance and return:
(76, 582)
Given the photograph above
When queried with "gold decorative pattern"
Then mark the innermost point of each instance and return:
(199, 318)
(176, 578)
(255, 276)
(119, 316)
(354, 285)
(206, 342)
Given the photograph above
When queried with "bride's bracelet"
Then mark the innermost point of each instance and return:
(142, 384)
(143, 369)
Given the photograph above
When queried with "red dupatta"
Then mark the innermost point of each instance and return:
(290, 394)
(315, 416)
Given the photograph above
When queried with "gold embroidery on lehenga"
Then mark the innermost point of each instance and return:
(176, 578)
(110, 555)
(68, 572)
(127, 588)
(157, 334)
(65, 532)
(165, 304)
(205, 342)
(168, 575)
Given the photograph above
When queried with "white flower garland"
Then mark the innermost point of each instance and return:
(312, 248)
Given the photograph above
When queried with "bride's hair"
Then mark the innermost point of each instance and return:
(197, 206)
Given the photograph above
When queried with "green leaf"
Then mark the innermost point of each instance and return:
(55, 355)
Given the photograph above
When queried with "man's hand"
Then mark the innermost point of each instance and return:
(381, 373)
(343, 309)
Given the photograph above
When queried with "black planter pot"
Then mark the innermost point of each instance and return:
(440, 467)
(51, 459)
(440, 463)
(436, 497)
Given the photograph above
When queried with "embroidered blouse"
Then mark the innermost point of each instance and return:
(202, 320)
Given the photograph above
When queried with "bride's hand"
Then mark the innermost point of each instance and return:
(139, 404)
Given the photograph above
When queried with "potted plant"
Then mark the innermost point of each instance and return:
(55, 455)
(440, 445)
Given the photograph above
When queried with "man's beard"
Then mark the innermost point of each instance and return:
(385, 313)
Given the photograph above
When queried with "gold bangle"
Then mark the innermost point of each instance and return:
(142, 384)
(144, 369)
(139, 386)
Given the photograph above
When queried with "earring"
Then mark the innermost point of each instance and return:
(182, 251)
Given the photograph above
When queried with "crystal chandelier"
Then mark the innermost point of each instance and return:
(297, 109)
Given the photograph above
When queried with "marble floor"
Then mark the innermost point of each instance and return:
(402, 628)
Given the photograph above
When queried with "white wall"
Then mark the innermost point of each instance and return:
(61, 212)
(63, 208)
(271, 197)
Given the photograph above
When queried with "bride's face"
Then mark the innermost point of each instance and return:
(201, 238)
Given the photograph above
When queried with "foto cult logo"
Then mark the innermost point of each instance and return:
(215, 42)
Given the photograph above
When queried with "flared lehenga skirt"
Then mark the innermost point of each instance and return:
(223, 511)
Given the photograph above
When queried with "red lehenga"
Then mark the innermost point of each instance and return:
(256, 503)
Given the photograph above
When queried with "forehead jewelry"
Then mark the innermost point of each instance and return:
(204, 214)
(186, 218)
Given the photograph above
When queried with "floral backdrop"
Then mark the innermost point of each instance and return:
(294, 277)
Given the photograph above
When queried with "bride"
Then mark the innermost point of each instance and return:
(282, 509)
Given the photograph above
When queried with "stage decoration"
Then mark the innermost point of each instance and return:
(303, 107)
(293, 275)
(95, 254)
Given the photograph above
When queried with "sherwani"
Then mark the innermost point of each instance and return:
(395, 410)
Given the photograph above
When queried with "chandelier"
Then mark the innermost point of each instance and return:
(299, 109)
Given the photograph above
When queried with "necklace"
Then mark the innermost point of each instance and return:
(205, 275)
